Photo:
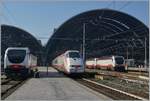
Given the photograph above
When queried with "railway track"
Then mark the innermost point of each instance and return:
(8, 86)
(133, 75)
(127, 83)
(113, 93)
(5, 81)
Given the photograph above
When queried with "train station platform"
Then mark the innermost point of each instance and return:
(54, 86)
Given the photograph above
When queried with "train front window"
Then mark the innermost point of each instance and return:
(74, 55)
(16, 56)
(119, 60)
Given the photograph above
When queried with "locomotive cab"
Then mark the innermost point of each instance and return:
(18, 62)
(75, 63)
(119, 63)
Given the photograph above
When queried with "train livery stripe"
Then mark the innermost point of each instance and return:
(61, 67)
(90, 66)
(100, 65)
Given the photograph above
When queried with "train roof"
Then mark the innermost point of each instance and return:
(71, 51)
(18, 48)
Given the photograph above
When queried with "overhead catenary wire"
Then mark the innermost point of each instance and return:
(95, 39)
(125, 5)
(3, 16)
(9, 13)
(110, 4)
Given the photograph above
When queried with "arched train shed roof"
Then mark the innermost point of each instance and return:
(15, 37)
(107, 32)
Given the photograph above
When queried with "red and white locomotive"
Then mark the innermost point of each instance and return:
(19, 61)
(70, 62)
(116, 63)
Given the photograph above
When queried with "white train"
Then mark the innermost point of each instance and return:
(19, 61)
(116, 63)
(70, 62)
(130, 62)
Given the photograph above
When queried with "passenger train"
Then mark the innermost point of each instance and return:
(70, 62)
(19, 61)
(115, 63)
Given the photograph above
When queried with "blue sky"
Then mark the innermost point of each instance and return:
(41, 17)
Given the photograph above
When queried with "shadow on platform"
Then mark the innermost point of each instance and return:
(50, 74)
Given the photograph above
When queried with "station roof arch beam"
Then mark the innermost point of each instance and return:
(106, 30)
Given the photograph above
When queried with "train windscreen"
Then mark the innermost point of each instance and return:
(74, 55)
(16, 56)
(119, 60)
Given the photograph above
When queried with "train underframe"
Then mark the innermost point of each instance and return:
(116, 68)
(119, 68)
(21, 73)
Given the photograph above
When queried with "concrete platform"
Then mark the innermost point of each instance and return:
(54, 86)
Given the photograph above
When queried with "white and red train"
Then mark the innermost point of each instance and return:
(19, 61)
(116, 63)
(70, 62)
